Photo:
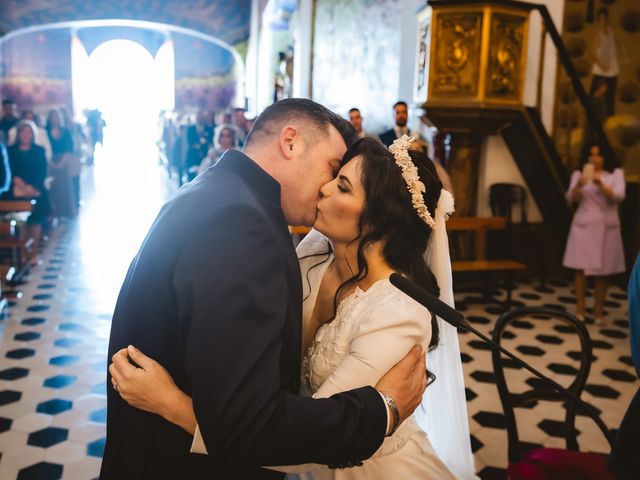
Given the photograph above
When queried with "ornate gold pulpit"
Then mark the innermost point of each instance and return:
(477, 64)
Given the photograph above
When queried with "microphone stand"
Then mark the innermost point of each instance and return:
(456, 319)
(590, 410)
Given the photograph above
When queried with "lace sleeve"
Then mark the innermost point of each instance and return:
(386, 331)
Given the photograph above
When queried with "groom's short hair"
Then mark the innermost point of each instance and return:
(311, 116)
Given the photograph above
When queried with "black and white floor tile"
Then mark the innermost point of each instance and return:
(548, 346)
(53, 348)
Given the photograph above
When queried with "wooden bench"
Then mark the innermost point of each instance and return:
(480, 227)
(16, 244)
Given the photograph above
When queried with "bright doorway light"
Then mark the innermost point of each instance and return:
(130, 87)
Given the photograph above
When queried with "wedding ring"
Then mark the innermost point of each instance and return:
(115, 386)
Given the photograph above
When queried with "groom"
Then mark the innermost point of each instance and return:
(215, 295)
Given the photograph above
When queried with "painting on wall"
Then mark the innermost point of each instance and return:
(599, 35)
(35, 69)
(205, 74)
(356, 57)
(228, 20)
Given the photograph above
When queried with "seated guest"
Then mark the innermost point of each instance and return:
(225, 139)
(28, 166)
(42, 138)
(401, 114)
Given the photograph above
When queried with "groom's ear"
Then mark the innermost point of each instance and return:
(289, 141)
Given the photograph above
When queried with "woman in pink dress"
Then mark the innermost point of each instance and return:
(594, 247)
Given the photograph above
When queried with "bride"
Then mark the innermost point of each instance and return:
(373, 219)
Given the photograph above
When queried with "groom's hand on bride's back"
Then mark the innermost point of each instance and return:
(405, 383)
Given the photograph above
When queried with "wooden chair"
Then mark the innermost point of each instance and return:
(557, 463)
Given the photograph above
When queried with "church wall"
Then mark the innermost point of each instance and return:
(357, 57)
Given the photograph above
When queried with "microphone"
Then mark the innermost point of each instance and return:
(455, 318)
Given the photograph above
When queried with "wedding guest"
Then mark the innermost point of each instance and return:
(401, 116)
(28, 166)
(225, 139)
(199, 139)
(356, 122)
(240, 123)
(61, 164)
(42, 138)
(9, 116)
(594, 247)
(75, 158)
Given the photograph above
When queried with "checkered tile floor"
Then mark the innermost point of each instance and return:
(547, 346)
(53, 360)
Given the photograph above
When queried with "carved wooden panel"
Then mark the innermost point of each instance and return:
(456, 55)
(506, 57)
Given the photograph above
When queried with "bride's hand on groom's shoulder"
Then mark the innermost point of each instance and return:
(406, 382)
(147, 386)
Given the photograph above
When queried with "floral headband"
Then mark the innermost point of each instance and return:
(400, 151)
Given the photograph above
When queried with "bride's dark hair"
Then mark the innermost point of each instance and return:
(389, 214)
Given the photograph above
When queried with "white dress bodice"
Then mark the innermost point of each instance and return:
(372, 331)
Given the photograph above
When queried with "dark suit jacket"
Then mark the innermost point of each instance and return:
(214, 294)
(388, 137)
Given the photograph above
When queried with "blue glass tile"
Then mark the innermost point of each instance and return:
(26, 336)
(63, 360)
(60, 381)
(47, 437)
(33, 321)
(54, 407)
(13, 373)
(96, 449)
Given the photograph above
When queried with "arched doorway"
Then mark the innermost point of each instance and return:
(130, 87)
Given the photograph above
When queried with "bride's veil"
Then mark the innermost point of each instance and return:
(443, 412)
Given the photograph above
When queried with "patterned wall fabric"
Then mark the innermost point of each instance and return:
(356, 58)
(225, 19)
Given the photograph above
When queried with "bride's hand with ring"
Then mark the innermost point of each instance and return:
(149, 387)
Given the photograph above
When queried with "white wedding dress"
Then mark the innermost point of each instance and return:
(372, 331)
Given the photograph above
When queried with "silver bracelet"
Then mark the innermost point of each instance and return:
(394, 409)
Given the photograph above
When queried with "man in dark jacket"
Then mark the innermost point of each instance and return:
(215, 296)
(401, 117)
